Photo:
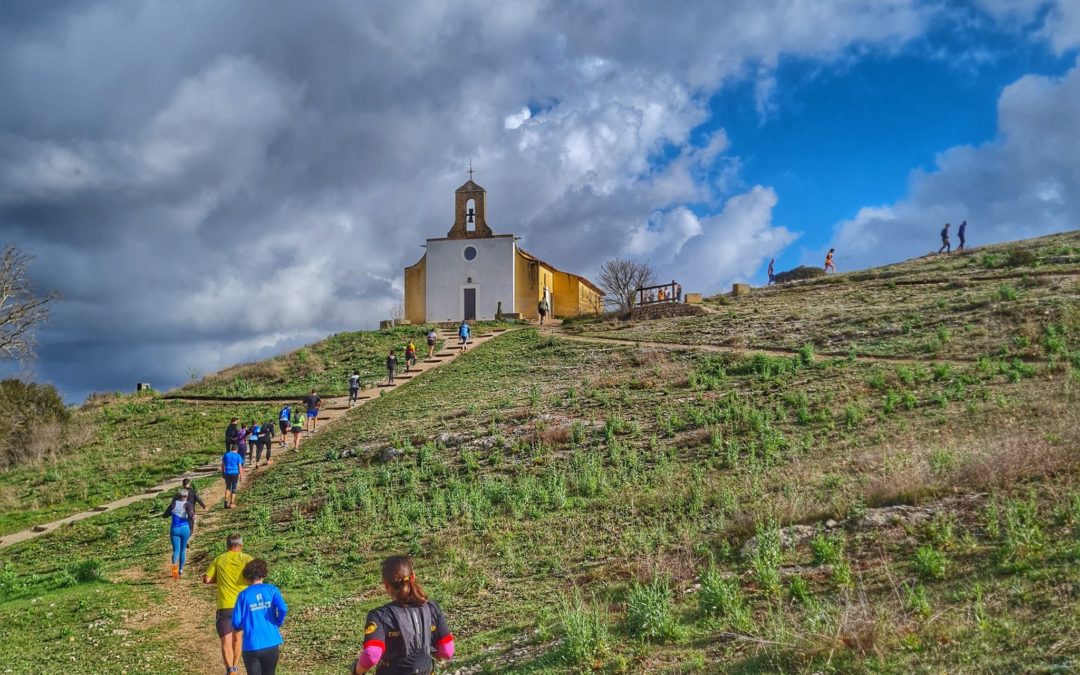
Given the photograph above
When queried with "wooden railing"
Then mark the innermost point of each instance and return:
(650, 295)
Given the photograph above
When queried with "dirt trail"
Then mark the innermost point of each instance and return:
(600, 339)
(335, 408)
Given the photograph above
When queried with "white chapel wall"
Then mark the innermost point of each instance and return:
(448, 272)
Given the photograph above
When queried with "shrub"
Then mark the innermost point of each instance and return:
(722, 599)
(1006, 293)
(827, 549)
(799, 274)
(649, 611)
(806, 354)
(87, 570)
(930, 563)
(1021, 537)
(1019, 257)
(588, 639)
(31, 421)
(765, 560)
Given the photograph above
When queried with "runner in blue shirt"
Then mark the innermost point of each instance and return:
(232, 469)
(259, 612)
(463, 335)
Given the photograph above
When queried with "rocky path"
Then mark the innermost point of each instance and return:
(334, 409)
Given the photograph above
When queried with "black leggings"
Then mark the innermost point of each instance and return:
(262, 661)
(259, 450)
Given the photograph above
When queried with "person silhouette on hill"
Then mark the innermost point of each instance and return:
(960, 232)
(226, 572)
(231, 434)
(391, 364)
(258, 614)
(181, 515)
(945, 246)
(296, 427)
(432, 338)
(354, 387)
(401, 636)
(242, 440)
(772, 271)
(312, 402)
(829, 265)
(232, 469)
(284, 416)
(463, 334)
(410, 356)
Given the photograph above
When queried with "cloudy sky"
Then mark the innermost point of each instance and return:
(214, 181)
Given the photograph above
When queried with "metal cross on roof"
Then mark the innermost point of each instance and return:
(470, 169)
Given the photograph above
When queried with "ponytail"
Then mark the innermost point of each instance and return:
(399, 577)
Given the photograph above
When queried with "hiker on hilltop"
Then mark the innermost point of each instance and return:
(231, 435)
(829, 265)
(259, 612)
(391, 364)
(432, 338)
(226, 572)
(401, 636)
(284, 416)
(772, 271)
(410, 356)
(945, 246)
(960, 232)
(312, 402)
(181, 515)
(354, 387)
(463, 334)
(543, 310)
(232, 468)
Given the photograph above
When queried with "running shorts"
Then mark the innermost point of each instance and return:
(313, 412)
(231, 481)
(283, 425)
(223, 620)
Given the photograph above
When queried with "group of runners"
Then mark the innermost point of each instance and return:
(406, 635)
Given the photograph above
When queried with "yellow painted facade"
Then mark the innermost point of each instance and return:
(416, 292)
(568, 294)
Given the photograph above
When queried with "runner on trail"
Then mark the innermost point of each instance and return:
(432, 338)
(232, 468)
(231, 434)
(259, 612)
(543, 309)
(181, 514)
(226, 572)
(772, 270)
(400, 636)
(410, 356)
(242, 440)
(193, 497)
(463, 333)
(312, 402)
(265, 441)
(391, 364)
(283, 422)
(945, 246)
(297, 428)
(829, 261)
(354, 387)
(960, 232)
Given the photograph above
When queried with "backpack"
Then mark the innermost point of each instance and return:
(415, 625)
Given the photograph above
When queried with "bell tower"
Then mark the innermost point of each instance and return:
(469, 220)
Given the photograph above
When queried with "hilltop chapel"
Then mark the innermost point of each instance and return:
(472, 272)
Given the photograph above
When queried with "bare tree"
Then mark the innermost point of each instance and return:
(21, 311)
(397, 312)
(621, 278)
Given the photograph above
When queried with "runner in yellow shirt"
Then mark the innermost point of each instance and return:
(227, 572)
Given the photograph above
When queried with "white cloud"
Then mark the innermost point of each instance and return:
(1023, 183)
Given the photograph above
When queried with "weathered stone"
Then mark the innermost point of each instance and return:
(738, 290)
(693, 298)
(790, 536)
(893, 515)
(390, 453)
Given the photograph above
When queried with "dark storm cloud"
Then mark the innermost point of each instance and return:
(207, 182)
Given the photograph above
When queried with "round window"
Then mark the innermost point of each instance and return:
(469, 253)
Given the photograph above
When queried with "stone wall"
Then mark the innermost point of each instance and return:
(665, 310)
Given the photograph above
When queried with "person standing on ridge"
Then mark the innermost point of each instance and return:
(283, 422)
(232, 468)
(231, 435)
(543, 309)
(181, 514)
(960, 232)
(945, 240)
(410, 356)
(259, 612)
(391, 364)
(312, 402)
(829, 265)
(400, 636)
(354, 387)
(463, 333)
(226, 572)
(772, 271)
(432, 338)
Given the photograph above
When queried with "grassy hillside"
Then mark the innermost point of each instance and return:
(324, 365)
(578, 505)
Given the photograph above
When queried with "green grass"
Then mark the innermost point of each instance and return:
(583, 506)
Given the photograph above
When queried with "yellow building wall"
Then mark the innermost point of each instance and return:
(564, 295)
(589, 301)
(526, 286)
(416, 292)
